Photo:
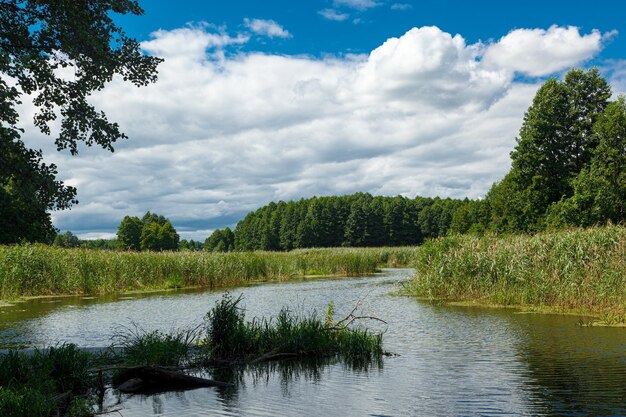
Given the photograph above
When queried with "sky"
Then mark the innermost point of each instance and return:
(263, 101)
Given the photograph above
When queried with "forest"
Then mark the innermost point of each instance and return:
(568, 169)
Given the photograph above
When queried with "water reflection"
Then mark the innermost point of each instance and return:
(574, 370)
(285, 374)
(454, 361)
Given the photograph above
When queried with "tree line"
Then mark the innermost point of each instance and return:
(568, 169)
(355, 220)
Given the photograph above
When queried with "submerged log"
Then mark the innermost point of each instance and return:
(156, 379)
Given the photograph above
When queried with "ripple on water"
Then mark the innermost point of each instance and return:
(454, 361)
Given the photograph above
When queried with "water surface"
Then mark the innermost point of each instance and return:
(454, 361)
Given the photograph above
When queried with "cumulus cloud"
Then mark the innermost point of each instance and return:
(331, 14)
(221, 134)
(191, 41)
(268, 28)
(539, 52)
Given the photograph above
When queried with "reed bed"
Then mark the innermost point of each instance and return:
(40, 270)
(574, 269)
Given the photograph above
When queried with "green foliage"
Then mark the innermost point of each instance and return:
(28, 382)
(220, 241)
(155, 348)
(25, 402)
(357, 220)
(555, 143)
(129, 233)
(230, 337)
(152, 232)
(37, 38)
(571, 269)
(45, 270)
(66, 240)
(599, 189)
(102, 244)
(190, 245)
(28, 190)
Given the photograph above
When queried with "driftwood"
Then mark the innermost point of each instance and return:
(151, 379)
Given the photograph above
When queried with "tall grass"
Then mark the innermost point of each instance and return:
(573, 269)
(231, 337)
(29, 384)
(33, 270)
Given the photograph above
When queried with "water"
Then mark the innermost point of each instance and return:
(454, 361)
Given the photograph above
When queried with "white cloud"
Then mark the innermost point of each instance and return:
(190, 41)
(401, 6)
(219, 135)
(268, 28)
(331, 14)
(357, 4)
(616, 70)
(539, 52)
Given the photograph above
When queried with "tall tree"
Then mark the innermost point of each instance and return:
(555, 142)
(588, 95)
(600, 188)
(38, 38)
(129, 233)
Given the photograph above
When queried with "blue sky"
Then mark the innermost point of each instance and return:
(262, 101)
(379, 20)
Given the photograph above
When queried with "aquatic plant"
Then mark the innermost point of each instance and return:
(137, 346)
(35, 270)
(48, 380)
(230, 337)
(573, 269)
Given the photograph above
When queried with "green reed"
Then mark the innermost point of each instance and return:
(35, 270)
(573, 269)
(230, 337)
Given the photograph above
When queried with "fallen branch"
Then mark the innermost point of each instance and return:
(159, 379)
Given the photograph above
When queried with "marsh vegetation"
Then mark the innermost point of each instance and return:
(70, 381)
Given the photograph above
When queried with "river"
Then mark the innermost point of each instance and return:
(452, 361)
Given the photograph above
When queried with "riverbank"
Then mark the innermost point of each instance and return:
(580, 270)
(40, 270)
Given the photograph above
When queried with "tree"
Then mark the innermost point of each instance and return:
(588, 95)
(67, 240)
(129, 233)
(167, 237)
(600, 189)
(555, 142)
(358, 225)
(152, 232)
(28, 190)
(190, 245)
(150, 239)
(37, 39)
(220, 241)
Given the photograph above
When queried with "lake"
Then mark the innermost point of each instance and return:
(452, 361)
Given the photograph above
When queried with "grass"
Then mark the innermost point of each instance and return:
(579, 269)
(139, 347)
(40, 270)
(30, 384)
(230, 337)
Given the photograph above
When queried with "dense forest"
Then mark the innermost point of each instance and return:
(357, 220)
(568, 169)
